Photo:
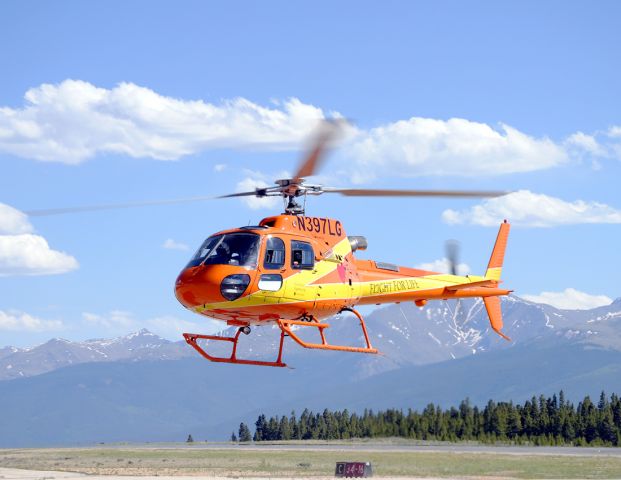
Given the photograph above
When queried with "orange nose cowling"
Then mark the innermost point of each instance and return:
(185, 287)
(197, 286)
(200, 285)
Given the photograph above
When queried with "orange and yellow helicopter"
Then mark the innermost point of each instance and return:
(296, 271)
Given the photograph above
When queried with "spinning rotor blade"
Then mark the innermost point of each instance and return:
(452, 255)
(327, 132)
(370, 192)
(112, 206)
(256, 193)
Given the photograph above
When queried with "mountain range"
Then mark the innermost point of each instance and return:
(58, 353)
(141, 387)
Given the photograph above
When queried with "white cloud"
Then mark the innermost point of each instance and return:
(219, 167)
(24, 253)
(252, 182)
(614, 133)
(425, 146)
(23, 322)
(12, 221)
(444, 266)
(586, 143)
(74, 120)
(570, 299)
(172, 327)
(530, 209)
(29, 254)
(600, 144)
(168, 326)
(117, 320)
(171, 244)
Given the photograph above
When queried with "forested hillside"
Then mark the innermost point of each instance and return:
(542, 421)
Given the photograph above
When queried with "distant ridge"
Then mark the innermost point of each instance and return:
(58, 353)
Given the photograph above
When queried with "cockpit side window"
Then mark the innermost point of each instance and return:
(274, 254)
(302, 255)
(241, 249)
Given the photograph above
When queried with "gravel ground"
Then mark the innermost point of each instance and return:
(17, 474)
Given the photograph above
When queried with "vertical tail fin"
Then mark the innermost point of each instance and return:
(494, 267)
(494, 270)
(492, 305)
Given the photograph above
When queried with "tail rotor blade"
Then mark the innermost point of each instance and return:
(452, 255)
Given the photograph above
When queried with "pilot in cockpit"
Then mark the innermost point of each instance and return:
(222, 255)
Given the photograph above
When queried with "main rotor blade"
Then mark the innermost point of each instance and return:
(112, 206)
(256, 193)
(370, 192)
(327, 131)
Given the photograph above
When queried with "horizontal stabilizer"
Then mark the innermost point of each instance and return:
(462, 286)
(492, 305)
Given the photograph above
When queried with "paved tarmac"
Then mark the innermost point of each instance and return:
(17, 474)
(385, 447)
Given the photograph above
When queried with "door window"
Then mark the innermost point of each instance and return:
(274, 254)
(302, 255)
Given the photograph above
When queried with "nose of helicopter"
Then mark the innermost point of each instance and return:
(200, 285)
(185, 290)
(192, 287)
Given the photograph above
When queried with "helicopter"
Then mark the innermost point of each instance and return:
(296, 271)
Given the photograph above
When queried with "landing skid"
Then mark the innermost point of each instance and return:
(192, 340)
(285, 331)
(285, 325)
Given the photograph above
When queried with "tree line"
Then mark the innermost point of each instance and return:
(539, 421)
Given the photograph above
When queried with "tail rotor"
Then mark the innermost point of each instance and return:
(452, 248)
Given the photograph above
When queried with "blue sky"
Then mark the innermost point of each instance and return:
(126, 101)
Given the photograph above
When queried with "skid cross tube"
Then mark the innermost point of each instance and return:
(285, 330)
(285, 327)
(192, 340)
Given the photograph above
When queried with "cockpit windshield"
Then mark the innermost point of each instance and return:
(229, 249)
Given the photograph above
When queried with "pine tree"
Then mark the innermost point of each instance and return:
(190, 439)
(588, 419)
(607, 429)
(233, 437)
(244, 433)
(303, 425)
(544, 417)
(284, 429)
(272, 430)
(293, 424)
(514, 423)
(260, 427)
